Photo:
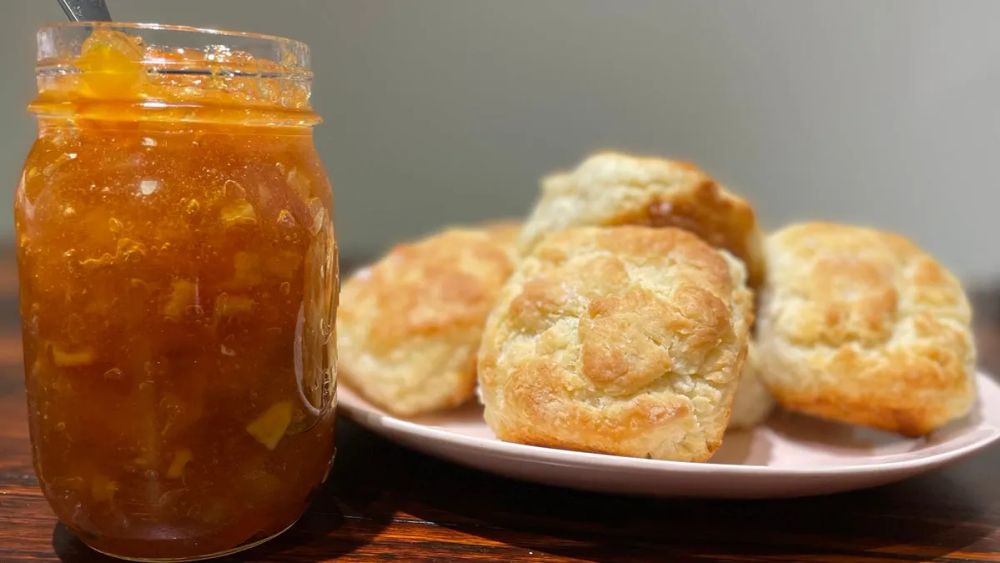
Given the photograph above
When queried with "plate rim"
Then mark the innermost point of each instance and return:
(373, 417)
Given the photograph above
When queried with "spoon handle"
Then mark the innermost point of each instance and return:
(85, 10)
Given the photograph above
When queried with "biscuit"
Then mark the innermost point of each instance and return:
(624, 340)
(617, 189)
(408, 326)
(505, 233)
(753, 402)
(861, 326)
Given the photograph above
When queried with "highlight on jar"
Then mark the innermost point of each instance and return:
(178, 276)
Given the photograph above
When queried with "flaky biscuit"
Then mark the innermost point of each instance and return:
(862, 326)
(624, 340)
(504, 232)
(617, 189)
(752, 402)
(409, 325)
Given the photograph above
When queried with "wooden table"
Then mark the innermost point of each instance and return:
(386, 502)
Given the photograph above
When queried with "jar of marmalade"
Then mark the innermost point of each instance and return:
(178, 278)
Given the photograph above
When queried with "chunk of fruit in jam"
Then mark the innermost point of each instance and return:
(181, 458)
(69, 357)
(182, 297)
(111, 65)
(270, 426)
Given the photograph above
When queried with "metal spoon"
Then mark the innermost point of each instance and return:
(85, 10)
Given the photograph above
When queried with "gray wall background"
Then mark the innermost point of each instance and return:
(444, 111)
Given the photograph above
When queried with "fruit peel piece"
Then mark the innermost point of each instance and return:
(246, 270)
(228, 304)
(238, 213)
(181, 458)
(103, 489)
(270, 426)
(70, 358)
(182, 296)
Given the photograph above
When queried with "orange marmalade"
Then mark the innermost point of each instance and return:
(178, 281)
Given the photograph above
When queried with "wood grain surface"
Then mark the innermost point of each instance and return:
(384, 502)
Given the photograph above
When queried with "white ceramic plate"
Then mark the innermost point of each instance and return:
(790, 455)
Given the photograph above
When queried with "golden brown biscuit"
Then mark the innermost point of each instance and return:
(504, 232)
(617, 189)
(624, 340)
(752, 402)
(408, 326)
(862, 326)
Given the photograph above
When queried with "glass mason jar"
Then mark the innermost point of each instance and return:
(178, 278)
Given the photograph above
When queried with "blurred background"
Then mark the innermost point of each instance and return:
(448, 111)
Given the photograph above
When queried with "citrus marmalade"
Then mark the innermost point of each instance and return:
(178, 282)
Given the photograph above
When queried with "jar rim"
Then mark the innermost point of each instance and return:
(176, 27)
(182, 68)
(58, 41)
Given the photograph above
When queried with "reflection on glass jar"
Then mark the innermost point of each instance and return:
(178, 275)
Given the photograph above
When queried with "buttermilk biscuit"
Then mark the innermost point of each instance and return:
(505, 233)
(408, 326)
(617, 189)
(752, 402)
(624, 340)
(862, 326)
